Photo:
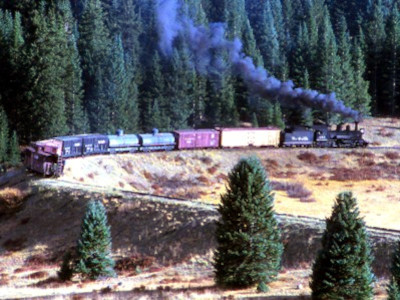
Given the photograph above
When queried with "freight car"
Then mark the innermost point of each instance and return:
(47, 157)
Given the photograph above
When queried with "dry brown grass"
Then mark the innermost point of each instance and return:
(134, 264)
(11, 200)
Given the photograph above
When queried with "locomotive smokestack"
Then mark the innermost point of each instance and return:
(356, 127)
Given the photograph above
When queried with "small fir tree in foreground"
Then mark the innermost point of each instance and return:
(342, 269)
(394, 285)
(94, 246)
(249, 248)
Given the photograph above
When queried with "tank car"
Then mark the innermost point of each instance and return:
(157, 141)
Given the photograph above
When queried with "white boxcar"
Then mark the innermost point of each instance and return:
(246, 137)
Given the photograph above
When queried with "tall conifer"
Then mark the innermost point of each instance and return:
(93, 250)
(249, 248)
(342, 269)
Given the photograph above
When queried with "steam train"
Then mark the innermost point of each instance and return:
(48, 157)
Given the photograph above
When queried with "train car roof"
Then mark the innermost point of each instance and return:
(250, 128)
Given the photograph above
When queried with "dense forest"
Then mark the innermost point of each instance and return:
(74, 66)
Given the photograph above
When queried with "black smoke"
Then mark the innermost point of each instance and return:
(204, 41)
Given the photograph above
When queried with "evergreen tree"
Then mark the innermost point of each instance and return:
(345, 90)
(93, 258)
(14, 154)
(249, 248)
(93, 46)
(362, 99)
(342, 269)
(45, 96)
(375, 40)
(394, 285)
(391, 59)
(3, 136)
(73, 86)
(67, 269)
(254, 120)
(179, 89)
(278, 118)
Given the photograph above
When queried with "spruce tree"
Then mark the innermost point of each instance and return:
(93, 253)
(249, 248)
(394, 285)
(3, 136)
(362, 99)
(14, 154)
(342, 269)
(278, 118)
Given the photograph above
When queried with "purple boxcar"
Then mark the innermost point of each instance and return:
(195, 139)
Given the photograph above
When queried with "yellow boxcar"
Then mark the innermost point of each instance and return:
(246, 137)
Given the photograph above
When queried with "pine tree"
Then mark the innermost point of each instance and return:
(362, 99)
(278, 118)
(394, 285)
(254, 120)
(73, 86)
(249, 248)
(14, 154)
(45, 95)
(345, 90)
(391, 59)
(3, 136)
(375, 39)
(94, 45)
(342, 269)
(93, 253)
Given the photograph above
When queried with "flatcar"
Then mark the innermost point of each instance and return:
(47, 157)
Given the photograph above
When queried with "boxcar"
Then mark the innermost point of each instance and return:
(123, 143)
(245, 137)
(72, 146)
(196, 139)
(95, 144)
(157, 141)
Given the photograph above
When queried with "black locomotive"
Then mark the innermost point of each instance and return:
(322, 136)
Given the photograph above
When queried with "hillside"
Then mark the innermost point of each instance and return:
(306, 180)
(164, 246)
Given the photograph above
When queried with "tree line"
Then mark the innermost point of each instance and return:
(74, 66)
(249, 244)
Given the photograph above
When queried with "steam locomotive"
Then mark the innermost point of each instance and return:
(48, 157)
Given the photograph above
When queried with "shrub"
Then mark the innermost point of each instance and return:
(67, 268)
(134, 263)
(308, 157)
(393, 288)
(11, 199)
(249, 248)
(93, 252)
(294, 190)
(342, 269)
(392, 155)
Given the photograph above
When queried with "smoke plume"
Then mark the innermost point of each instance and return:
(204, 41)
